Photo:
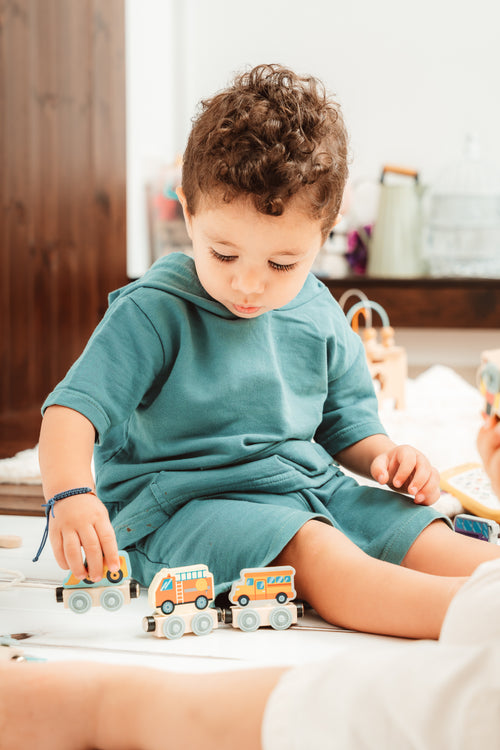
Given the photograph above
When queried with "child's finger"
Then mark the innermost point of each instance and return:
(380, 468)
(109, 547)
(57, 548)
(429, 493)
(406, 466)
(73, 553)
(421, 475)
(93, 553)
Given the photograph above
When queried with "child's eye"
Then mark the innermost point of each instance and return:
(222, 258)
(280, 267)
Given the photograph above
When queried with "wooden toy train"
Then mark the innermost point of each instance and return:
(111, 592)
(182, 598)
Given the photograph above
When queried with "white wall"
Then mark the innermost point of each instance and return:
(413, 78)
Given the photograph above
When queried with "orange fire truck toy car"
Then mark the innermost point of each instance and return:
(187, 590)
(111, 592)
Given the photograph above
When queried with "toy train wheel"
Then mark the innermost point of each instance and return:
(115, 577)
(135, 589)
(280, 618)
(281, 598)
(243, 600)
(80, 602)
(112, 600)
(248, 620)
(173, 627)
(149, 624)
(201, 602)
(167, 607)
(202, 624)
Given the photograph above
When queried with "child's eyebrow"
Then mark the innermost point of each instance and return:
(226, 243)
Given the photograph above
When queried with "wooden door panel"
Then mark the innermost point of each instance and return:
(62, 193)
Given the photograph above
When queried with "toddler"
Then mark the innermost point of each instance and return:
(222, 394)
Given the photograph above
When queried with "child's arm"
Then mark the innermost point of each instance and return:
(65, 452)
(129, 708)
(402, 467)
(488, 445)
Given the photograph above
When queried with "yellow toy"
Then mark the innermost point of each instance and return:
(471, 485)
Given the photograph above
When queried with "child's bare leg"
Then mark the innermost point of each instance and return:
(441, 551)
(351, 589)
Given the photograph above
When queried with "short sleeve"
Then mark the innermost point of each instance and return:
(119, 367)
(350, 411)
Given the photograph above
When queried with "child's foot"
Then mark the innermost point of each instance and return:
(474, 613)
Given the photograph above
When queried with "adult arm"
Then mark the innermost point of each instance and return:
(129, 708)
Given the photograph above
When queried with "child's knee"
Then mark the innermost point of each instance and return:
(307, 541)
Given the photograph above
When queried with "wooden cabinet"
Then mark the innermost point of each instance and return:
(62, 193)
(429, 302)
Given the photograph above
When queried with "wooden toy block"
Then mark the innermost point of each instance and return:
(10, 541)
(111, 592)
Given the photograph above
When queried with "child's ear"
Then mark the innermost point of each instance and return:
(187, 216)
(337, 221)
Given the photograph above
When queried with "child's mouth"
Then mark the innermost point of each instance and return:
(246, 310)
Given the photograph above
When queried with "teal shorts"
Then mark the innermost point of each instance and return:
(238, 531)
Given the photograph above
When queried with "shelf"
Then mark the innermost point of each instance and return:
(429, 302)
(21, 500)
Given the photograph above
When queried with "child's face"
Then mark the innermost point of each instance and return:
(248, 261)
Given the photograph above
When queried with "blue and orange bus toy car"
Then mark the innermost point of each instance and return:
(111, 592)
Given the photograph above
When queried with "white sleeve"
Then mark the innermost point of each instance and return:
(421, 695)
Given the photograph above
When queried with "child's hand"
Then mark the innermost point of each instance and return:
(488, 445)
(406, 469)
(83, 521)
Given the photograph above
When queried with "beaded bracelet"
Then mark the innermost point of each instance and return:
(49, 506)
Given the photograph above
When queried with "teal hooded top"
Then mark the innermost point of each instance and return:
(189, 400)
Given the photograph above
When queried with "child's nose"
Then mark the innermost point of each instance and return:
(248, 282)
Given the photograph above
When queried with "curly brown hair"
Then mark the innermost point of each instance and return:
(271, 135)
